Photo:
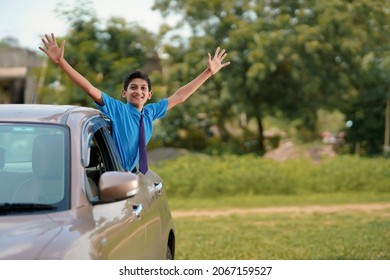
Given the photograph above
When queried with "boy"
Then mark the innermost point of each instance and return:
(137, 90)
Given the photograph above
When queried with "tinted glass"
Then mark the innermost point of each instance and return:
(33, 163)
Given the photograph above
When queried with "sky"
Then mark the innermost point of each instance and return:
(28, 20)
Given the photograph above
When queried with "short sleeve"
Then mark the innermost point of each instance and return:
(110, 105)
(157, 110)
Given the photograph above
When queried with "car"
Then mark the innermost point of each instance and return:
(65, 195)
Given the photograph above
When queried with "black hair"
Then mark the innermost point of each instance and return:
(134, 75)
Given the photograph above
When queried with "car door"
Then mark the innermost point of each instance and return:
(120, 225)
(154, 215)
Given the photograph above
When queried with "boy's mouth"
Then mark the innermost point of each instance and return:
(139, 97)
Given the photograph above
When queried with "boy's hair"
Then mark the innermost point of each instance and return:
(134, 75)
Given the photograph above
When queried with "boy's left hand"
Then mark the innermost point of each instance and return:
(215, 64)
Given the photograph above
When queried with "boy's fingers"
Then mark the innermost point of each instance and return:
(221, 54)
(42, 49)
(48, 38)
(44, 42)
(216, 52)
(225, 64)
(63, 44)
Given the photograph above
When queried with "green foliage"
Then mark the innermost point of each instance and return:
(289, 59)
(330, 121)
(202, 176)
(367, 109)
(229, 175)
(103, 52)
(293, 58)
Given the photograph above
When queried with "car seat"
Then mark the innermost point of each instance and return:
(48, 161)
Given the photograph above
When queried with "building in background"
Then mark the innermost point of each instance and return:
(17, 83)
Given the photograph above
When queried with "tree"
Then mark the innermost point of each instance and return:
(101, 51)
(365, 101)
(213, 99)
(291, 58)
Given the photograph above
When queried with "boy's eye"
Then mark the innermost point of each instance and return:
(134, 87)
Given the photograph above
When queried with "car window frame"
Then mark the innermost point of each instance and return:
(89, 129)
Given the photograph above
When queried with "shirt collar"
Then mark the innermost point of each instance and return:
(134, 110)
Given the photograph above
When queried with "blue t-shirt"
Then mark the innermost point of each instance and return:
(125, 125)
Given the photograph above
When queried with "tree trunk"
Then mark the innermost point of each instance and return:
(221, 127)
(386, 146)
(260, 137)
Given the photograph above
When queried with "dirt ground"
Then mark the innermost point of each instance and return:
(312, 209)
(288, 150)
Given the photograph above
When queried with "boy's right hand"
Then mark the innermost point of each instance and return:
(51, 49)
(56, 54)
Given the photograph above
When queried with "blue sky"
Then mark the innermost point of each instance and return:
(27, 20)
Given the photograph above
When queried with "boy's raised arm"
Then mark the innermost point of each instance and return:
(56, 54)
(213, 66)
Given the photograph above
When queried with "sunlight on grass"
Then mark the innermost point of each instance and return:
(226, 183)
(344, 235)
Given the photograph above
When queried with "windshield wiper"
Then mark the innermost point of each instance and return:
(6, 208)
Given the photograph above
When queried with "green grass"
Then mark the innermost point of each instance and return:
(285, 236)
(228, 175)
(216, 183)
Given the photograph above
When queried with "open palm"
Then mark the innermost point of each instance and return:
(216, 64)
(52, 50)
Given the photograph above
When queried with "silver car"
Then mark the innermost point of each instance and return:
(64, 194)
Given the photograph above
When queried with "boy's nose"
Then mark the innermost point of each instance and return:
(137, 93)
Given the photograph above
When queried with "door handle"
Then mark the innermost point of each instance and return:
(137, 209)
(158, 187)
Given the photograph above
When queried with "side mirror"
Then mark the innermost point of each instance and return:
(115, 186)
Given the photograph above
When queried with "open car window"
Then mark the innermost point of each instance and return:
(101, 156)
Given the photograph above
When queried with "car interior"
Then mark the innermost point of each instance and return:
(93, 171)
(47, 183)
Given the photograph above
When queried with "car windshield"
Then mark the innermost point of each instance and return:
(33, 165)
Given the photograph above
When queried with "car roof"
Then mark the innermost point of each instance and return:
(40, 112)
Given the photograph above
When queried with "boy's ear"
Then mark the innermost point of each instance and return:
(123, 93)
(150, 95)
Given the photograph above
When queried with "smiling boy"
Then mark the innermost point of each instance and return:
(137, 90)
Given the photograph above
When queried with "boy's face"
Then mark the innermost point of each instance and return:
(137, 93)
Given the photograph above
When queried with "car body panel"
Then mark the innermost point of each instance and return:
(28, 235)
(134, 222)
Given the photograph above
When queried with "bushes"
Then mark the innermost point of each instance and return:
(229, 175)
(351, 173)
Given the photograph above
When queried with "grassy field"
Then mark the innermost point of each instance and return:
(228, 175)
(220, 184)
(290, 235)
